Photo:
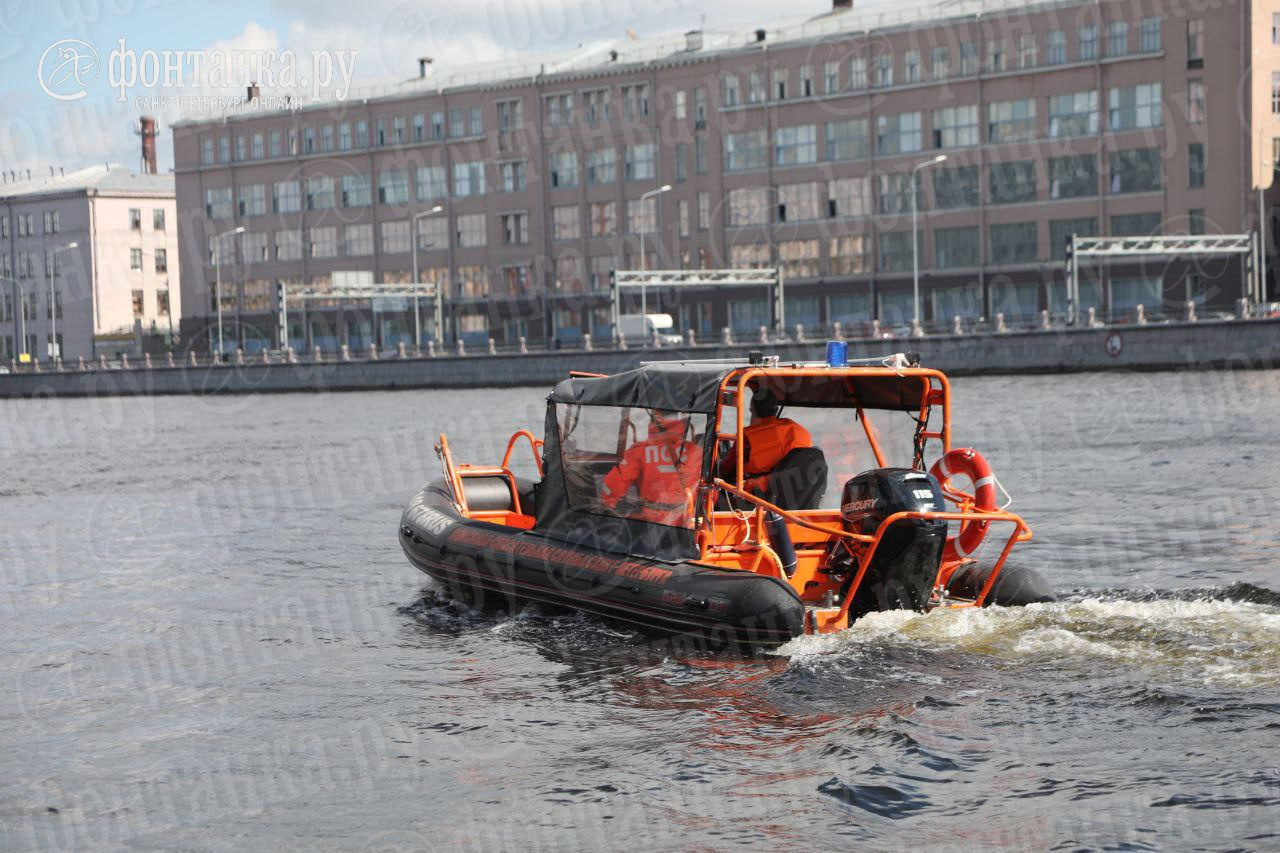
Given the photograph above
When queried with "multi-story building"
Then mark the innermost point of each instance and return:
(86, 258)
(796, 147)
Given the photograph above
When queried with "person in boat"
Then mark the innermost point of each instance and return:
(767, 440)
(663, 470)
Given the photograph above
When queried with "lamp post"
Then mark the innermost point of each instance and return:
(217, 276)
(915, 242)
(1262, 232)
(417, 322)
(644, 263)
(55, 350)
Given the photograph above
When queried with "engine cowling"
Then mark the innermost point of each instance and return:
(905, 565)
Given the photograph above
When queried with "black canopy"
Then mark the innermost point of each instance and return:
(691, 387)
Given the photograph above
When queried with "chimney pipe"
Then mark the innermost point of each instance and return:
(760, 35)
(253, 92)
(147, 130)
(838, 5)
(424, 65)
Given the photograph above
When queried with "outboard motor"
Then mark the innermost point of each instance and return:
(905, 565)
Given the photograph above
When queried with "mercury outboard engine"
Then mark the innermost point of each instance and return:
(905, 565)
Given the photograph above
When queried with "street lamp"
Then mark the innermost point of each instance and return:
(217, 276)
(417, 323)
(915, 243)
(56, 350)
(644, 264)
(1262, 234)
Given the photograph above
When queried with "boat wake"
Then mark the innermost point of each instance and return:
(1227, 637)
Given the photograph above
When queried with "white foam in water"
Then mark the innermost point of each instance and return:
(1199, 642)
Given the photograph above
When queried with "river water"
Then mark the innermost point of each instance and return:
(211, 640)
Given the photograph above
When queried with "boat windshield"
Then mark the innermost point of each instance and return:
(635, 463)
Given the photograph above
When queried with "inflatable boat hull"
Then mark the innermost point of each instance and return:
(723, 605)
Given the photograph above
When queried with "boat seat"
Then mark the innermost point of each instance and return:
(799, 480)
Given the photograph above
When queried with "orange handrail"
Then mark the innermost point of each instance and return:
(451, 473)
(535, 445)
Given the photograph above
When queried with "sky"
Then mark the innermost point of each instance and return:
(38, 131)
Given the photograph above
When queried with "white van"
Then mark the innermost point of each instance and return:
(649, 328)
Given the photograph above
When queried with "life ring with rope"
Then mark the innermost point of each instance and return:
(965, 461)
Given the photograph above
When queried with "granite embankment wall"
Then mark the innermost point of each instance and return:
(1232, 344)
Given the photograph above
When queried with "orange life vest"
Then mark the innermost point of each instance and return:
(767, 440)
(665, 475)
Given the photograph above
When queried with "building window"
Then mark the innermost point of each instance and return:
(288, 246)
(955, 187)
(940, 63)
(1135, 170)
(637, 164)
(898, 134)
(468, 179)
(1073, 176)
(513, 175)
(217, 203)
(1073, 115)
(224, 149)
(806, 81)
(324, 242)
(729, 95)
(357, 240)
(895, 193)
(1195, 220)
(565, 223)
(858, 73)
(1027, 50)
(457, 124)
(1117, 38)
(956, 247)
(433, 232)
(895, 251)
(477, 121)
(136, 300)
(419, 128)
(470, 231)
(600, 166)
(700, 107)
(800, 259)
(1011, 121)
(995, 56)
(157, 218)
(1135, 107)
(253, 200)
(1087, 43)
(135, 260)
(755, 87)
(355, 191)
(162, 260)
(52, 222)
(1013, 182)
(604, 218)
(847, 256)
(1195, 44)
(955, 127)
(700, 155)
(1055, 47)
(635, 100)
(286, 197)
(746, 206)
(794, 146)
(1275, 92)
(515, 228)
(595, 105)
(162, 303)
(1061, 229)
(800, 202)
(309, 140)
(968, 59)
(1014, 243)
(911, 66)
(393, 186)
(884, 69)
(320, 193)
(846, 140)
(206, 151)
(831, 77)
(1195, 101)
(781, 77)
(704, 211)
(1150, 35)
(641, 215)
(682, 215)
(1275, 27)
(849, 197)
(437, 125)
(1195, 165)
(564, 169)
(431, 183)
(745, 150)
(135, 218)
(326, 138)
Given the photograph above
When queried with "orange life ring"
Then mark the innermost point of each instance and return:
(970, 463)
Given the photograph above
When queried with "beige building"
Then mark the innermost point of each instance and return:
(793, 145)
(114, 280)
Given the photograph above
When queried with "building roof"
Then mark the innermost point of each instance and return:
(107, 179)
(620, 55)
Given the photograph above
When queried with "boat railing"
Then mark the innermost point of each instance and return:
(535, 447)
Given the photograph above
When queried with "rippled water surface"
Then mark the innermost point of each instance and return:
(212, 641)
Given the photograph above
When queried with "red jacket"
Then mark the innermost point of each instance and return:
(664, 471)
